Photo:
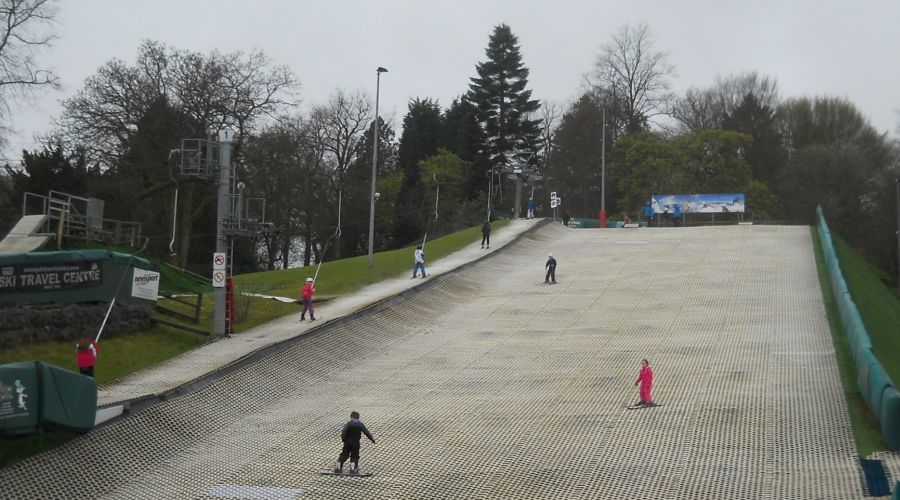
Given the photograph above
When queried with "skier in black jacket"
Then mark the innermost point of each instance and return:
(350, 435)
(551, 270)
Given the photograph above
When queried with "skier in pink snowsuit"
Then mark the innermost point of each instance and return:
(645, 379)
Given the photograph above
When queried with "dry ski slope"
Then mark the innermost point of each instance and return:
(491, 385)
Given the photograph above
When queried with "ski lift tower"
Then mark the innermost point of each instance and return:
(236, 216)
(521, 173)
(211, 160)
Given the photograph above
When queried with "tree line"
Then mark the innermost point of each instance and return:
(116, 136)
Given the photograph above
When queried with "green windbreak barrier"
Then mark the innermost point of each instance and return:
(68, 399)
(890, 412)
(873, 382)
(879, 381)
(35, 394)
(19, 398)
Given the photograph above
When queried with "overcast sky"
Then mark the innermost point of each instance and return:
(843, 48)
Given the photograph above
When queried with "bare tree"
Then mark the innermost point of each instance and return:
(697, 110)
(283, 165)
(551, 112)
(24, 33)
(633, 78)
(128, 117)
(701, 109)
(338, 127)
(214, 91)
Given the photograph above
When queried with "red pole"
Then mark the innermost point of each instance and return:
(603, 218)
(229, 299)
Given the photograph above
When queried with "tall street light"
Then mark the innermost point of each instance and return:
(603, 173)
(898, 232)
(378, 72)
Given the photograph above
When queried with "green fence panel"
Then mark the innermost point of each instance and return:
(845, 306)
(585, 223)
(862, 345)
(879, 381)
(833, 268)
(68, 399)
(851, 328)
(839, 286)
(862, 376)
(890, 418)
(856, 328)
(19, 398)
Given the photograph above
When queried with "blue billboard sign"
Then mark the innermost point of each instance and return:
(698, 203)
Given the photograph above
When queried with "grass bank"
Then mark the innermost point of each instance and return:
(878, 305)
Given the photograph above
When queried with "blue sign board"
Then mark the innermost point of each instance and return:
(698, 203)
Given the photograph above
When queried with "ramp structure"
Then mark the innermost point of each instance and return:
(28, 234)
(489, 385)
(67, 216)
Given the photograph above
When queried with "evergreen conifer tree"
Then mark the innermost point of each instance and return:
(420, 139)
(503, 103)
(462, 136)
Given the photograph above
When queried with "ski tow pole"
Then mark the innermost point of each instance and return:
(337, 234)
(437, 197)
(115, 296)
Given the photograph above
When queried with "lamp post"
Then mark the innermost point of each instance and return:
(898, 232)
(378, 72)
(603, 173)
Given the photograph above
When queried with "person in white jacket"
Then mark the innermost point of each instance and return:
(420, 262)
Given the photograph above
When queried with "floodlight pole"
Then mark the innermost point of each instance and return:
(518, 205)
(898, 231)
(603, 173)
(223, 212)
(371, 262)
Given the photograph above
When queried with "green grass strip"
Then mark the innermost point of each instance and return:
(348, 275)
(877, 304)
(865, 428)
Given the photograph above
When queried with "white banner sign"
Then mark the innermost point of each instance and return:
(145, 284)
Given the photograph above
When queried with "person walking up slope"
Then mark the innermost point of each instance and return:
(550, 266)
(486, 234)
(86, 356)
(645, 380)
(307, 297)
(350, 436)
(647, 212)
(420, 262)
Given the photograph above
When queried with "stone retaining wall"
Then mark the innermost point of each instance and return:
(39, 323)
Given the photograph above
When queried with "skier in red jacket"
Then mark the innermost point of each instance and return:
(307, 296)
(645, 379)
(86, 356)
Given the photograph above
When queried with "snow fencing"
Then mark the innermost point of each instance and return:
(873, 382)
